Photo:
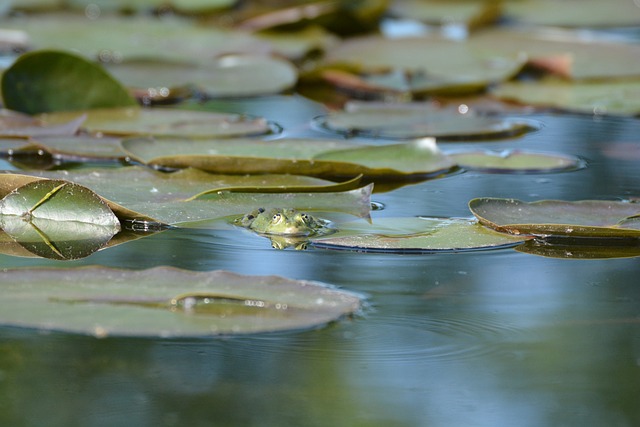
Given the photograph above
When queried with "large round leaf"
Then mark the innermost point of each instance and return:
(166, 302)
(415, 235)
(166, 122)
(586, 218)
(468, 13)
(415, 120)
(60, 201)
(48, 80)
(515, 161)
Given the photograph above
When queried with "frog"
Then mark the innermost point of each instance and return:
(282, 222)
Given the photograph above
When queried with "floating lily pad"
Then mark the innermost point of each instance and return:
(415, 120)
(317, 157)
(226, 76)
(186, 198)
(415, 235)
(82, 147)
(49, 80)
(574, 13)
(515, 161)
(167, 122)
(14, 124)
(586, 218)
(422, 65)
(594, 97)
(166, 302)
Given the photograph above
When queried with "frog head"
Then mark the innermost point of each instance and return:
(282, 222)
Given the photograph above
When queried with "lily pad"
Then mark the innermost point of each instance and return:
(415, 235)
(574, 13)
(422, 65)
(82, 147)
(415, 120)
(593, 97)
(166, 302)
(469, 13)
(185, 198)
(166, 122)
(515, 161)
(230, 75)
(48, 80)
(322, 158)
(586, 218)
(583, 248)
(14, 124)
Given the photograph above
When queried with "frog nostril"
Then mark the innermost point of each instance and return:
(260, 210)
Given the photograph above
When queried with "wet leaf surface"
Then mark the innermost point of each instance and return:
(415, 120)
(515, 161)
(415, 235)
(586, 218)
(469, 14)
(581, 248)
(166, 302)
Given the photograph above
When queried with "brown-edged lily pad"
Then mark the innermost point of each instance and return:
(416, 120)
(586, 218)
(166, 302)
(314, 157)
(515, 161)
(166, 122)
(415, 235)
(584, 248)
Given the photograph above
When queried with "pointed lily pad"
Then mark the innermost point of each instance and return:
(166, 302)
(416, 120)
(231, 75)
(515, 161)
(166, 122)
(415, 235)
(586, 218)
(49, 80)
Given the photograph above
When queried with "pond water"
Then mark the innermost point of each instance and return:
(482, 338)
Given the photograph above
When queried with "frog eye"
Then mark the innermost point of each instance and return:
(276, 218)
(249, 217)
(260, 210)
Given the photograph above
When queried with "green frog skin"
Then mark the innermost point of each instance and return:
(282, 222)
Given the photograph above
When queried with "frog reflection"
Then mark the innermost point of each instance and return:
(284, 227)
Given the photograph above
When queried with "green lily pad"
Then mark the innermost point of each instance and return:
(415, 120)
(415, 235)
(58, 200)
(574, 13)
(185, 198)
(314, 157)
(515, 161)
(82, 147)
(14, 124)
(166, 302)
(586, 218)
(48, 80)
(166, 122)
(593, 97)
(226, 76)
(421, 65)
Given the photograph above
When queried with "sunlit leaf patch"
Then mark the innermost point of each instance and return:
(585, 218)
(166, 302)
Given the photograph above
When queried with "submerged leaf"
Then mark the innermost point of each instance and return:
(415, 120)
(166, 302)
(586, 218)
(166, 122)
(415, 235)
(515, 161)
(48, 80)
